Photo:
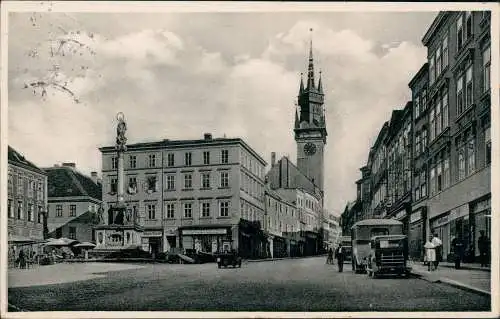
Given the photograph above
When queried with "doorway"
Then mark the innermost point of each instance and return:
(154, 246)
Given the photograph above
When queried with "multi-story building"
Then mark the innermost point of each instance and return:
(283, 225)
(417, 232)
(26, 203)
(399, 165)
(458, 152)
(73, 202)
(378, 171)
(191, 194)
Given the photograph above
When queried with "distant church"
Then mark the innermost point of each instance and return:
(310, 137)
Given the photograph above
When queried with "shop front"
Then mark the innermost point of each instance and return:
(311, 244)
(441, 226)
(252, 240)
(151, 241)
(205, 239)
(416, 233)
(279, 247)
(481, 217)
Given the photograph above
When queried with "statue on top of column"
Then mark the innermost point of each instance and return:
(121, 139)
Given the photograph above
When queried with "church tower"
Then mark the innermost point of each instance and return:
(310, 127)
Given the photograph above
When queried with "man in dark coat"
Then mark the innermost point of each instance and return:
(457, 245)
(340, 256)
(483, 244)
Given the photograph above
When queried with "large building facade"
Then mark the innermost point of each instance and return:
(26, 203)
(457, 112)
(190, 194)
(449, 152)
(73, 202)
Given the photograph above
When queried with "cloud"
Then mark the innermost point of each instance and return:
(171, 86)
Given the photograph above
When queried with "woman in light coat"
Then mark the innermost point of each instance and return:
(430, 254)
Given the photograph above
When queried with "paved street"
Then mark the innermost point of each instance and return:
(284, 285)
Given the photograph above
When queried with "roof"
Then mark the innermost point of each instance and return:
(377, 221)
(389, 237)
(66, 181)
(166, 143)
(434, 27)
(421, 73)
(16, 158)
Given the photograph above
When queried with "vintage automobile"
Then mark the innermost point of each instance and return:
(347, 246)
(361, 234)
(388, 255)
(228, 258)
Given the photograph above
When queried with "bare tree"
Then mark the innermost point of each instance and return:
(68, 51)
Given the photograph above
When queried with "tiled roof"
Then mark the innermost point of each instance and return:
(65, 182)
(15, 158)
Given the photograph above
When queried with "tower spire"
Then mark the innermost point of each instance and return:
(320, 86)
(301, 89)
(310, 71)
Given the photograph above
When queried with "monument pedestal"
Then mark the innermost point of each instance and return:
(121, 232)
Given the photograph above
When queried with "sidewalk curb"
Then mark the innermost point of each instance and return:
(283, 258)
(468, 268)
(451, 283)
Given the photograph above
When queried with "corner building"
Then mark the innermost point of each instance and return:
(452, 116)
(192, 194)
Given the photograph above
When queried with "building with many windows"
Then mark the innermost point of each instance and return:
(26, 203)
(73, 202)
(456, 115)
(190, 194)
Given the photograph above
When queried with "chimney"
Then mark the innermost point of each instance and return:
(273, 159)
(94, 177)
(72, 165)
(207, 136)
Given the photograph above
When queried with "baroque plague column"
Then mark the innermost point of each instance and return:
(121, 228)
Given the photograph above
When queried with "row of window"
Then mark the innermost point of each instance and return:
(33, 187)
(153, 159)
(30, 211)
(151, 184)
(59, 210)
(251, 164)
(187, 210)
(250, 212)
(274, 224)
(251, 186)
(440, 174)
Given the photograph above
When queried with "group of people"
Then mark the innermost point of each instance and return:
(339, 255)
(434, 251)
(24, 260)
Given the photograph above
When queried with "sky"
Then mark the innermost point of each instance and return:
(180, 75)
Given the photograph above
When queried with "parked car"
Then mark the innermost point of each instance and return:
(230, 258)
(389, 255)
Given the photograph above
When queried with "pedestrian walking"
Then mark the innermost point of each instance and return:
(483, 244)
(457, 245)
(340, 256)
(438, 245)
(22, 259)
(329, 259)
(430, 254)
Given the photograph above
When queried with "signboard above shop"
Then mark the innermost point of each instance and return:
(213, 231)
